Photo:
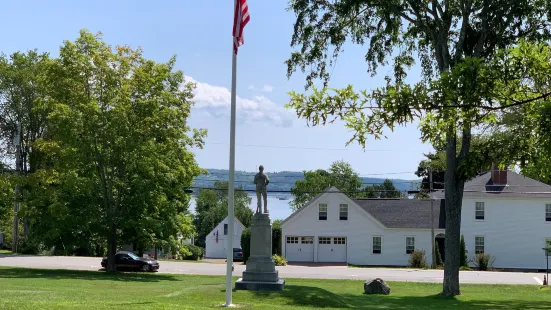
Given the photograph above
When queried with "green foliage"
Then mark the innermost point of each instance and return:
(477, 57)
(246, 244)
(276, 223)
(340, 174)
(438, 259)
(483, 261)
(417, 259)
(465, 268)
(191, 252)
(384, 190)
(280, 260)
(212, 207)
(463, 262)
(117, 153)
(276, 240)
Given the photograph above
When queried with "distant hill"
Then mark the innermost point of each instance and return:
(284, 180)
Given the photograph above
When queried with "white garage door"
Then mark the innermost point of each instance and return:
(332, 249)
(299, 249)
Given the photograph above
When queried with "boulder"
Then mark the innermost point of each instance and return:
(376, 286)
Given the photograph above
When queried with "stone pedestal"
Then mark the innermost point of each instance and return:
(260, 272)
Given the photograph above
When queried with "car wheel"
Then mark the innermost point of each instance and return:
(146, 268)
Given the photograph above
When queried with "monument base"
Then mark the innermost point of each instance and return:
(259, 286)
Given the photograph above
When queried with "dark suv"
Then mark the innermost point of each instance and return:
(237, 254)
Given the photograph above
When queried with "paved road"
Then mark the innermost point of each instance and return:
(332, 272)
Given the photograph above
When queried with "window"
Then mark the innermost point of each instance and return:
(343, 214)
(292, 239)
(479, 211)
(410, 245)
(548, 212)
(323, 212)
(225, 229)
(307, 240)
(478, 245)
(377, 244)
(324, 240)
(339, 240)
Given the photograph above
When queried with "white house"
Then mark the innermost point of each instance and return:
(508, 216)
(335, 228)
(510, 222)
(216, 240)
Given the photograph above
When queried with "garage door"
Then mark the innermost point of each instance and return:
(299, 249)
(332, 249)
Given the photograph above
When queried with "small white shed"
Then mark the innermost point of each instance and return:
(217, 239)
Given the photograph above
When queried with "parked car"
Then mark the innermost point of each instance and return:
(130, 261)
(237, 254)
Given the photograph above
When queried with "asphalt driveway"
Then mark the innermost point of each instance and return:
(316, 272)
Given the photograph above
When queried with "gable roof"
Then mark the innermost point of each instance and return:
(330, 190)
(517, 186)
(306, 205)
(392, 213)
(236, 221)
(405, 213)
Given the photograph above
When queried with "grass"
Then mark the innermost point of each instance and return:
(5, 252)
(63, 289)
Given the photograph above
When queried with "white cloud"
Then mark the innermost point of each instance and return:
(216, 100)
(266, 88)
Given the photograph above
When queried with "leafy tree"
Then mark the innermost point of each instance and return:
(340, 174)
(20, 89)
(119, 145)
(454, 41)
(212, 207)
(384, 190)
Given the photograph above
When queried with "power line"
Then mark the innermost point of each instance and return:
(302, 148)
(301, 175)
(280, 182)
(360, 191)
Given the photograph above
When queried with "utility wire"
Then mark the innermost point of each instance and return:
(301, 148)
(346, 192)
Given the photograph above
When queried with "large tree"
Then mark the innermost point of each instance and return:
(21, 88)
(119, 144)
(453, 40)
(340, 174)
(212, 207)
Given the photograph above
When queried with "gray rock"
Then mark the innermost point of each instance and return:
(376, 286)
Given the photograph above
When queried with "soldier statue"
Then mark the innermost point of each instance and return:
(261, 180)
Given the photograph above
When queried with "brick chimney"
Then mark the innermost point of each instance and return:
(499, 177)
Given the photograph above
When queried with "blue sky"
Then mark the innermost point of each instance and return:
(199, 33)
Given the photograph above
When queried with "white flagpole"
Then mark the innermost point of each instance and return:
(231, 184)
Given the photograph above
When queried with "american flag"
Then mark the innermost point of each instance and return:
(240, 19)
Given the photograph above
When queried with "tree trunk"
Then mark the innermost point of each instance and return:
(453, 189)
(111, 247)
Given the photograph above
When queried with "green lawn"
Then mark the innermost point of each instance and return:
(5, 252)
(58, 289)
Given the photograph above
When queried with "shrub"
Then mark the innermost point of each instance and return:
(246, 244)
(438, 256)
(463, 253)
(483, 261)
(280, 260)
(417, 259)
(276, 240)
(191, 252)
(465, 268)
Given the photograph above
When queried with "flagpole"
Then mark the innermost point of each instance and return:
(231, 184)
